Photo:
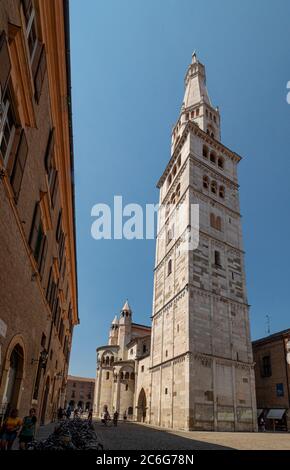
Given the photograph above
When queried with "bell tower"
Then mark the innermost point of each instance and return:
(202, 371)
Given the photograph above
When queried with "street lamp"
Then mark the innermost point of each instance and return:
(42, 359)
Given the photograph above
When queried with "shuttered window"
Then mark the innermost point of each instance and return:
(38, 241)
(53, 186)
(19, 165)
(5, 65)
(40, 73)
(48, 159)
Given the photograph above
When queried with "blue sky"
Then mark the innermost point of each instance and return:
(129, 58)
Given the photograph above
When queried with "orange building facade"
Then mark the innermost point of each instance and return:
(38, 281)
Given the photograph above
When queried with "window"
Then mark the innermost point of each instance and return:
(218, 223)
(142, 368)
(205, 151)
(205, 182)
(48, 159)
(178, 191)
(213, 187)
(197, 111)
(187, 116)
(169, 267)
(212, 220)
(144, 348)
(174, 171)
(166, 391)
(170, 234)
(107, 375)
(31, 33)
(38, 240)
(132, 376)
(19, 165)
(130, 410)
(215, 222)
(7, 126)
(177, 328)
(169, 179)
(222, 192)
(266, 366)
(126, 387)
(217, 258)
(166, 353)
(221, 163)
(40, 73)
(280, 390)
(127, 375)
(213, 158)
(179, 161)
(74, 385)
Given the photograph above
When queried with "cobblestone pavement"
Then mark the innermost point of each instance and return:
(130, 436)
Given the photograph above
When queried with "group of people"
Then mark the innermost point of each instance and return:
(13, 426)
(77, 412)
(107, 418)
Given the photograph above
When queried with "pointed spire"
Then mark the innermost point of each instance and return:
(195, 84)
(126, 307)
(115, 321)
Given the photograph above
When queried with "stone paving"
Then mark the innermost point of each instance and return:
(130, 436)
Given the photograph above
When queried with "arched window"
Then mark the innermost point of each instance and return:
(179, 161)
(213, 157)
(205, 182)
(107, 375)
(122, 376)
(174, 170)
(178, 190)
(127, 375)
(111, 360)
(130, 410)
(218, 223)
(172, 199)
(132, 376)
(192, 114)
(221, 163)
(169, 179)
(205, 151)
(213, 187)
(222, 192)
(107, 360)
(197, 112)
(126, 387)
(212, 220)
(169, 267)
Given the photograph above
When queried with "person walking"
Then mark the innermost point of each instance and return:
(10, 430)
(90, 416)
(27, 432)
(115, 418)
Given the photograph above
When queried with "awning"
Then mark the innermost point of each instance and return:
(259, 412)
(276, 413)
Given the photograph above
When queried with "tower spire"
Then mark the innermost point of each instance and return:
(196, 105)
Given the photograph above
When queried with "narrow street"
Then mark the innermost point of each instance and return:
(130, 436)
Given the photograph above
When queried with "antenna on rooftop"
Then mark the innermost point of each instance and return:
(268, 324)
